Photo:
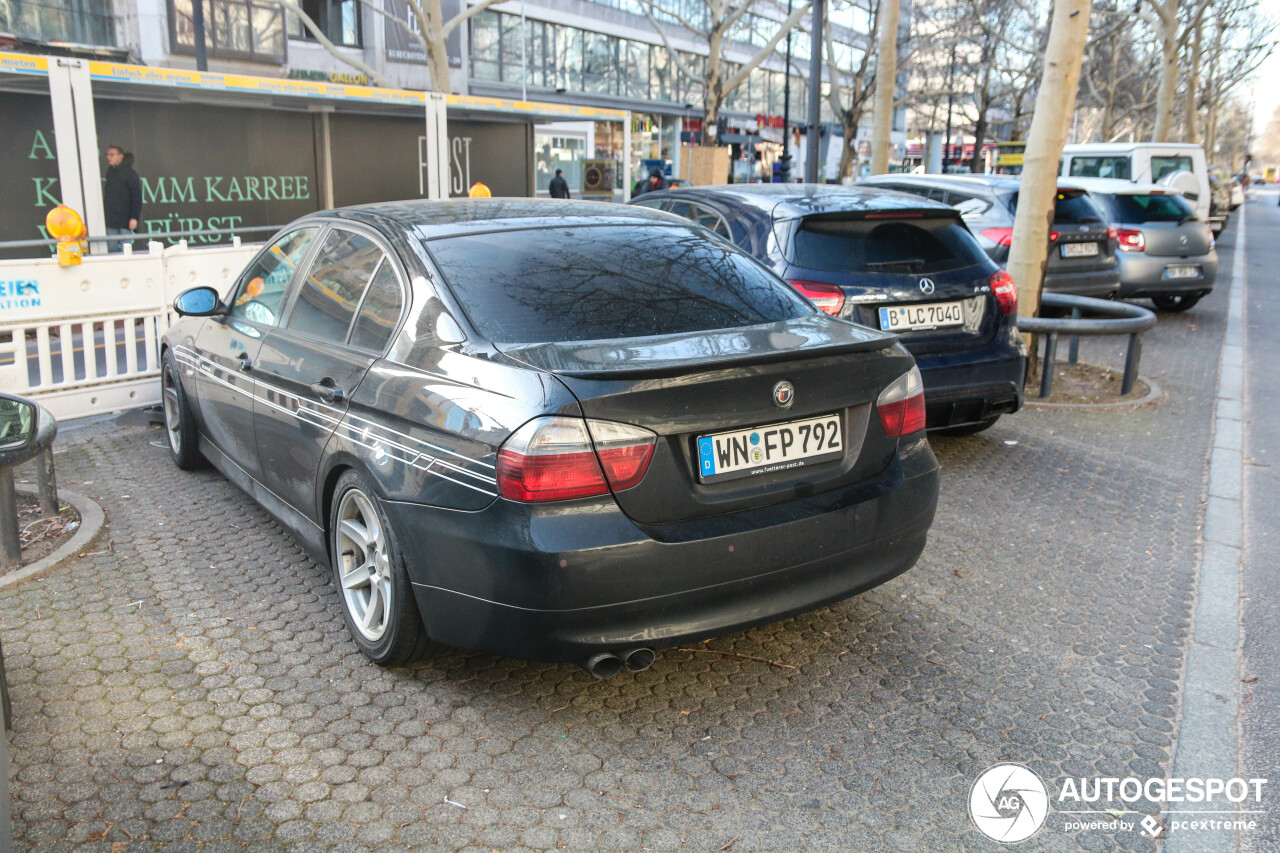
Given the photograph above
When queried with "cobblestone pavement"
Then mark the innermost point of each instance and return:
(188, 684)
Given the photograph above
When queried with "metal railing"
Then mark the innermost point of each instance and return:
(1120, 318)
(158, 236)
(40, 444)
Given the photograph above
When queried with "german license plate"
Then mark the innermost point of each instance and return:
(1182, 272)
(766, 449)
(938, 315)
(1079, 250)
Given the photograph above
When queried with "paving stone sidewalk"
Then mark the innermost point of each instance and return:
(188, 685)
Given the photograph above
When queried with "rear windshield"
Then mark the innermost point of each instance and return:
(1072, 207)
(1149, 208)
(876, 246)
(548, 285)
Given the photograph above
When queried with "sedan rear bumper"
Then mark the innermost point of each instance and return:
(1144, 275)
(1099, 283)
(561, 583)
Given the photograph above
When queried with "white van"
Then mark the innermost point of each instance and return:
(1143, 163)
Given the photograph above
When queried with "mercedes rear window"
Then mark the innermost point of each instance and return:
(926, 245)
(1149, 208)
(601, 282)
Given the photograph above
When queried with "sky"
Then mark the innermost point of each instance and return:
(1266, 92)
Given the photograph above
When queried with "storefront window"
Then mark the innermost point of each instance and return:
(553, 151)
(599, 64)
(485, 46)
(339, 20)
(635, 69)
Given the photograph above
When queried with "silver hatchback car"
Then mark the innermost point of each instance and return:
(1166, 252)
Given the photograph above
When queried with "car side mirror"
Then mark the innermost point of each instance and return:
(199, 302)
(17, 422)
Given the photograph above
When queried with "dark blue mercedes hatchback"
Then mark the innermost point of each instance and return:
(891, 261)
(551, 430)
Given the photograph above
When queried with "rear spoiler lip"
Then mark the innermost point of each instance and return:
(644, 358)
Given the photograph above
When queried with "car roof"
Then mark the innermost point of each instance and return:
(435, 219)
(955, 182)
(1123, 147)
(791, 201)
(1116, 186)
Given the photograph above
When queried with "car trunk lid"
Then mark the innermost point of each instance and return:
(688, 387)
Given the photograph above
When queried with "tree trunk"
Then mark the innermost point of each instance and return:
(713, 89)
(1168, 72)
(886, 76)
(1193, 87)
(1108, 114)
(849, 123)
(980, 126)
(1055, 105)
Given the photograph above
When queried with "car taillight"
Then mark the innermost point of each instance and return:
(901, 405)
(828, 297)
(1053, 236)
(1006, 292)
(1000, 236)
(1130, 240)
(554, 459)
(1112, 232)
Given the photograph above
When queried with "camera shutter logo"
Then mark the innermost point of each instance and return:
(1008, 803)
(926, 285)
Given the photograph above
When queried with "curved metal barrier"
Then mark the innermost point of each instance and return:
(1122, 318)
(36, 440)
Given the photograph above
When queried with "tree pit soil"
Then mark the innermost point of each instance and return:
(1084, 384)
(41, 536)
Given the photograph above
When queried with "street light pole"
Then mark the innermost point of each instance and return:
(946, 144)
(784, 162)
(815, 97)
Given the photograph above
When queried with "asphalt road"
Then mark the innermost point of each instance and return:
(1260, 717)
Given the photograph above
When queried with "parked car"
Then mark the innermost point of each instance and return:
(890, 261)
(1237, 193)
(1144, 163)
(1219, 205)
(551, 430)
(1082, 250)
(1166, 252)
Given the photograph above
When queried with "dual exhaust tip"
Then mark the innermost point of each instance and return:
(609, 664)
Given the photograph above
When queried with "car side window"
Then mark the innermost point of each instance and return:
(260, 292)
(704, 216)
(333, 287)
(380, 311)
(655, 205)
(968, 205)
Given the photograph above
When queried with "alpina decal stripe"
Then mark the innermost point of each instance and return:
(328, 417)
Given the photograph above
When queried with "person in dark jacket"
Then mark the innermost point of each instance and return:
(656, 182)
(121, 195)
(559, 187)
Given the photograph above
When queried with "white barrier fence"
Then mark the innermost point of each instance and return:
(85, 340)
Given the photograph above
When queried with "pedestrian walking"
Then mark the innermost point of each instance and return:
(559, 187)
(657, 181)
(121, 195)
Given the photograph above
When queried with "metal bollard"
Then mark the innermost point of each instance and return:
(1073, 354)
(1131, 360)
(10, 535)
(47, 484)
(1046, 369)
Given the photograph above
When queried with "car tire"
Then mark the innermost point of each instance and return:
(970, 429)
(1176, 302)
(179, 423)
(377, 597)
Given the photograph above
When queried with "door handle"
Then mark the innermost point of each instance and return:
(327, 391)
(245, 363)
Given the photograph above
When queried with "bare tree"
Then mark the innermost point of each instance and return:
(886, 81)
(719, 77)
(1055, 104)
(850, 89)
(1174, 29)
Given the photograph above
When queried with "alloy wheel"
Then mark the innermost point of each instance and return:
(172, 412)
(364, 565)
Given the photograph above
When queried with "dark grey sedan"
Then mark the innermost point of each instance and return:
(552, 430)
